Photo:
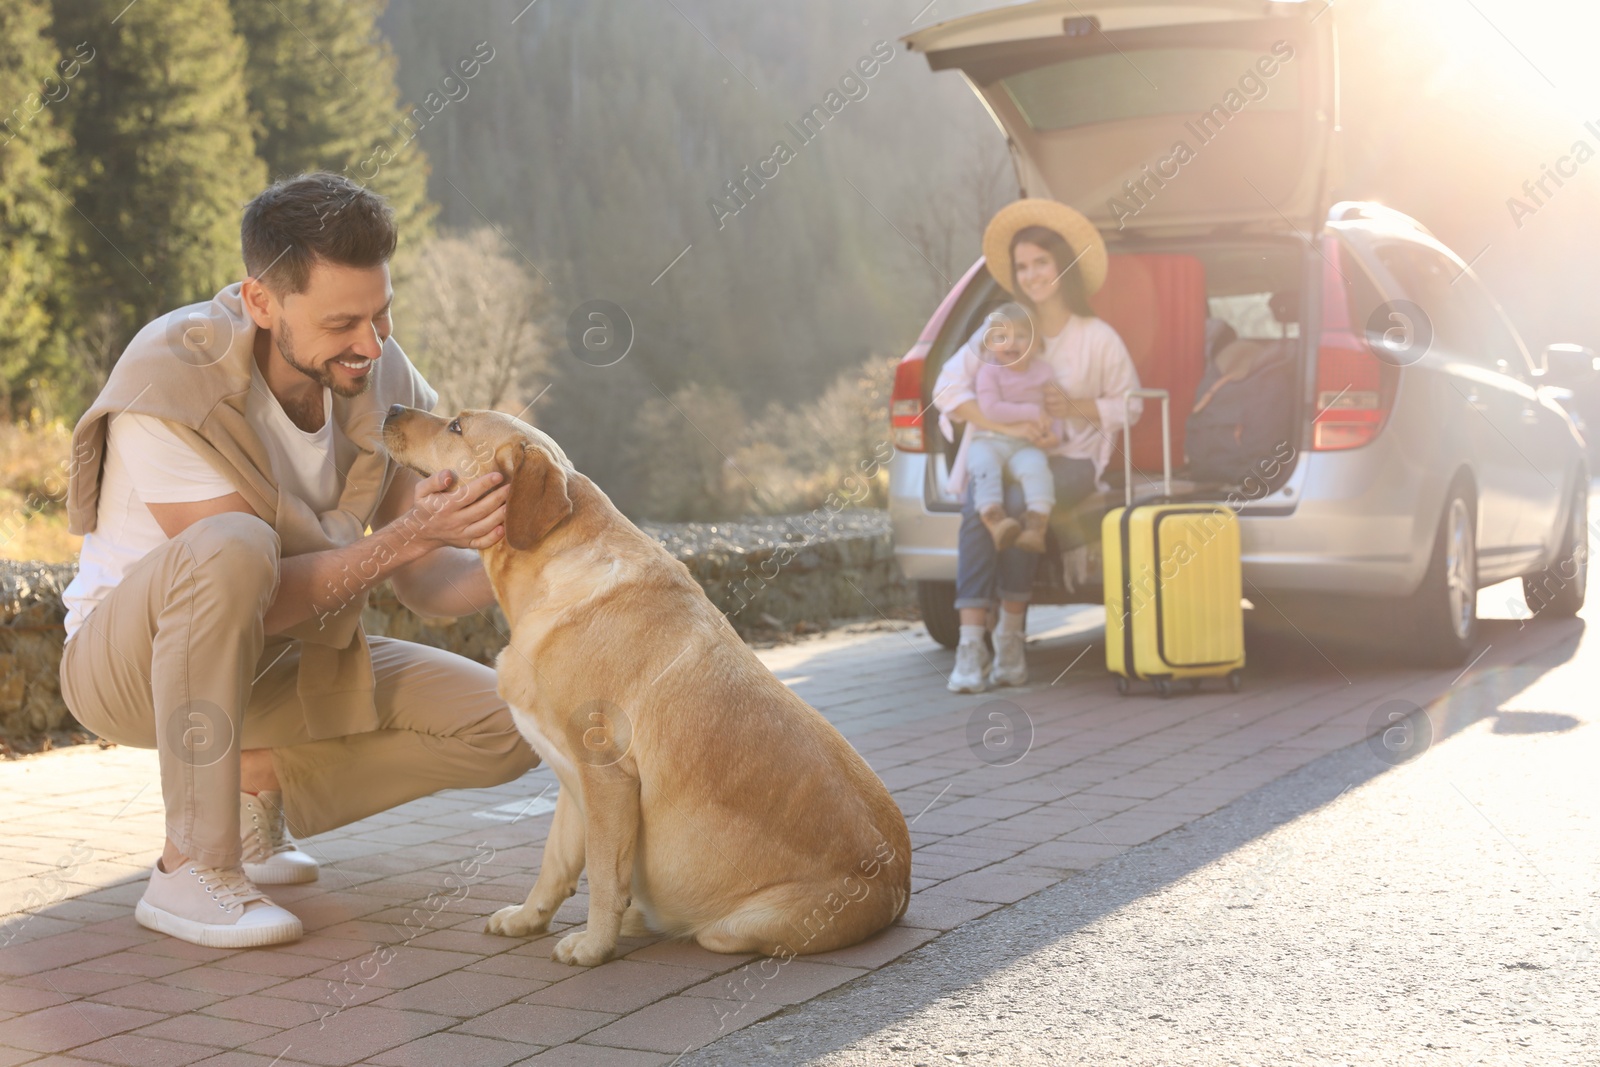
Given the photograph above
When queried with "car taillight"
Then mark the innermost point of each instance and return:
(907, 407)
(906, 403)
(1355, 389)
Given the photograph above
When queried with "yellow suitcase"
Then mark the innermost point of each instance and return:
(1172, 584)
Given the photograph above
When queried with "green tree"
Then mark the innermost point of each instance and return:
(322, 89)
(32, 89)
(165, 158)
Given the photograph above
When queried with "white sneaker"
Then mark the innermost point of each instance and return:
(217, 909)
(270, 855)
(971, 674)
(1010, 661)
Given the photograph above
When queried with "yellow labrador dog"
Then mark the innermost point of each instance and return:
(704, 798)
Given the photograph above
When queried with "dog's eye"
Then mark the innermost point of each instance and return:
(455, 426)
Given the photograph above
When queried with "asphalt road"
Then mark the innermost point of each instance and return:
(1445, 910)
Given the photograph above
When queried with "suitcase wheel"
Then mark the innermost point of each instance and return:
(1163, 687)
(1194, 684)
(1235, 681)
(1122, 685)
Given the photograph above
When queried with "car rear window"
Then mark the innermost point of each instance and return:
(1250, 315)
(1116, 86)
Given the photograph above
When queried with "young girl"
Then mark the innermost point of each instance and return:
(1010, 386)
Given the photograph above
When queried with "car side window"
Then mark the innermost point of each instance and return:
(1501, 347)
(1465, 321)
(1427, 284)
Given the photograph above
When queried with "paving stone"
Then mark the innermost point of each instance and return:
(621, 986)
(539, 1024)
(156, 996)
(235, 1058)
(461, 993)
(689, 954)
(878, 949)
(596, 1056)
(134, 1050)
(436, 1049)
(17, 998)
(930, 911)
(991, 887)
(773, 981)
(67, 1026)
(680, 1024)
(204, 1029)
(216, 980)
(277, 1012)
(59, 951)
(354, 1034)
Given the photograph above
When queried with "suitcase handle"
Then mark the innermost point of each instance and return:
(1127, 439)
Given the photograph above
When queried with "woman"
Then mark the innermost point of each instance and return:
(1051, 258)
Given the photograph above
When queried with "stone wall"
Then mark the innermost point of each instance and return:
(784, 571)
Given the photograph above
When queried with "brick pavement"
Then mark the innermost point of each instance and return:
(383, 977)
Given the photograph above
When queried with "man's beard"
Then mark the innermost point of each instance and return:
(322, 375)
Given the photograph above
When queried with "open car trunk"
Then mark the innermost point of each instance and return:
(1159, 117)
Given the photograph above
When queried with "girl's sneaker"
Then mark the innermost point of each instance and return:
(971, 674)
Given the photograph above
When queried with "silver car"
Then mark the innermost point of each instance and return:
(1425, 454)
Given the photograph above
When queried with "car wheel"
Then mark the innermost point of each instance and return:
(1446, 605)
(1558, 590)
(938, 603)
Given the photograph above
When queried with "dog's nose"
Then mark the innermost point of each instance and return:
(395, 411)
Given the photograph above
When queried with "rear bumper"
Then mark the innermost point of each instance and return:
(1361, 530)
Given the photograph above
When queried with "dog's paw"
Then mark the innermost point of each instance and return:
(582, 949)
(517, 921)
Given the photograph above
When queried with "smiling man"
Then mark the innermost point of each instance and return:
(237, 505)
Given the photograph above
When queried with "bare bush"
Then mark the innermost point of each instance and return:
(797, 457)
(683, 444)
(945, 221)
(473, 316)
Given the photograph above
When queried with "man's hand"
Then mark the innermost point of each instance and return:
(449, 512)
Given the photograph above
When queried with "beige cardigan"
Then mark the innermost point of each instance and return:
(191, 367)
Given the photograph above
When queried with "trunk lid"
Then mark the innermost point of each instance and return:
(1154, 117)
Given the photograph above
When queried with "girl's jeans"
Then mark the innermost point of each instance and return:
(983, 576)
(992, 456)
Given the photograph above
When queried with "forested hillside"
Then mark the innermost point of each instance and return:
(602, 138)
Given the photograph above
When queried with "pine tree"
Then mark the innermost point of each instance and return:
(33, 87)
(322, 89)
(165, 156)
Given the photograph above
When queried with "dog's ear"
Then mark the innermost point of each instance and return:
(539, 499)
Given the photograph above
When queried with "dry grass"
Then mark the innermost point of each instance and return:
(33, 492)
(831, 452)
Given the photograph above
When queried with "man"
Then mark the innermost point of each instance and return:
(225, 480)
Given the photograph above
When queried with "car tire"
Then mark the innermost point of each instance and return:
(1558, 591)
(1445, 606)
(938, 603)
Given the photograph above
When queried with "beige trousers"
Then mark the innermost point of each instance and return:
(175, 659)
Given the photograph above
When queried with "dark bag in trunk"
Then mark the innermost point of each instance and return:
(1243, 425)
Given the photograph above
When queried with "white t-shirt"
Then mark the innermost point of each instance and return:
(147, 463)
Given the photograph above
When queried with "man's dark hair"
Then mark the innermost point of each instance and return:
(318, 216)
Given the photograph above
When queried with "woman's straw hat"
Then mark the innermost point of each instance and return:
(1079, 233)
